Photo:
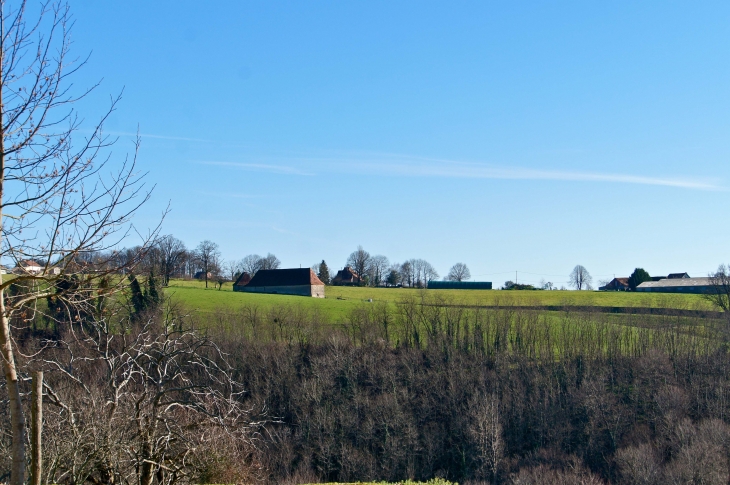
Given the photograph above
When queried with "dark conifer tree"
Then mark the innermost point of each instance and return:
(137, 298)
(638, 277)
(324, 273)
(153, 295)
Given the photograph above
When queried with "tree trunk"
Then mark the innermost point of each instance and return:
(17, 421)
(36, 429)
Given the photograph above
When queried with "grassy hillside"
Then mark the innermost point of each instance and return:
(341, 300)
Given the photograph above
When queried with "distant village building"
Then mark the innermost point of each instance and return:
(28, 266)
(459, 285)
(675, 276)
(32, 267)
(622, 284)
(677, 285)
(346, 276)
(616, 284)
(295, 281)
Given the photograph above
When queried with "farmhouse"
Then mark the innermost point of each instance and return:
(677, 285)
(675, 276)
(616, 284)
(31, 267)
(294, 281)
(346, 276)
(28, 267)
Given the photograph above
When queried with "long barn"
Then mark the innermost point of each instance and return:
(294, 281)
(459, 285)
(678, 285)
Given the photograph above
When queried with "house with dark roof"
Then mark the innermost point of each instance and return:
(294, 281)
(616, 284)
(675, 276)
(346, 276)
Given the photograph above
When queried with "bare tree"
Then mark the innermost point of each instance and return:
(719, 294)
(57, 201)
(378, 269)
(486, 432)
(407, 275)
(172, 254)
(422, 272)
(359, 261)
(270, 262)
(429, 272)
(233, 268)
(152, 403)
(208, 255)
(459, 272)
(251, 264)
(580, 278)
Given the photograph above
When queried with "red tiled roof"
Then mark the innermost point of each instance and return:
(243, 280)
(346, 275)
(285, 277)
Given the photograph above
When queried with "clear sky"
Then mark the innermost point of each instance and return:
(528, 136)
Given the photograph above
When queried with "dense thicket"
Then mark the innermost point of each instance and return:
(352, 413)
(496, 396)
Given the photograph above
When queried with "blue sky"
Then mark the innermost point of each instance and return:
(529, 136)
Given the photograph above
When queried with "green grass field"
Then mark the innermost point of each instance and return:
(340, 300)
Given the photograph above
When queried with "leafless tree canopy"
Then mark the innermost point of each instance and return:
(251, 264)
(580, 278)
(417, 272)
(139, 402)
(719, 294)
(270, 262)
(459, 272)
(208, 256)
(378, 269)
(58, 201)
(172, 254)
(359, 261)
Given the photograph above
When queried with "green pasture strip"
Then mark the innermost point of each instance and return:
(341, 299)
(542, 334)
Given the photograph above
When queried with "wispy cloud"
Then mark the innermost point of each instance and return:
(395, 165)
(451, 169)
(406, 166)
(260, 167)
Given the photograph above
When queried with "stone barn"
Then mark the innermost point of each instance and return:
(295, 281)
